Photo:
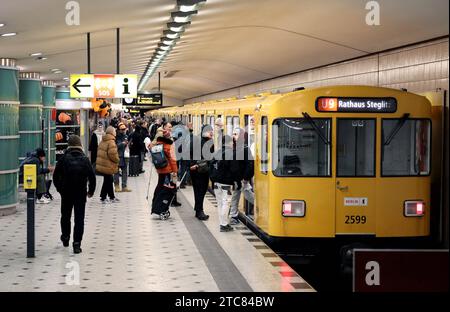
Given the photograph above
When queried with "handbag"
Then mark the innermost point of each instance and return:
(203, 166)
(126, 153)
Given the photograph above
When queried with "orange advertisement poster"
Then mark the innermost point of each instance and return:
(327, 105)
(104, 86)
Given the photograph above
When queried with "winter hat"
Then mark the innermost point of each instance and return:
(206, 128)
(111, 130)
(74, 141)
(40, 152)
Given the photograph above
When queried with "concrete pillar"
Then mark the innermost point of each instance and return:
(49, 102)
(30, 113)
(9, 135)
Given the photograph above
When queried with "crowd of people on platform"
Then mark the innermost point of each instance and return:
(119, 152)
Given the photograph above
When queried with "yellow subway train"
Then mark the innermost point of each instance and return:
(336, 163)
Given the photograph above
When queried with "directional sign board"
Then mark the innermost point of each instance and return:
(103, 86)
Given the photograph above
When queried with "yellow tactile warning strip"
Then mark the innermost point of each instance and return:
(287, 273)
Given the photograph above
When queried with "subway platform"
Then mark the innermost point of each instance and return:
(125, 249)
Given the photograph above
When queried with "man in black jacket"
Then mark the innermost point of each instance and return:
(71, 174)
(244, 158)
(224, 172)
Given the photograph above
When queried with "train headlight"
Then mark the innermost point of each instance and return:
(294, 208)
(414, 208)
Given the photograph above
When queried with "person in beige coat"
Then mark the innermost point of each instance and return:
(108, 164)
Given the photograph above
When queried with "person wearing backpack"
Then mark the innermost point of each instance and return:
(73, 171)
(224, 172)
(166, 162)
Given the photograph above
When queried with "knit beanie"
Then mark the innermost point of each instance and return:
(74, 142)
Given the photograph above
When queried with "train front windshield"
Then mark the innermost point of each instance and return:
(301, 147)
(406, 147)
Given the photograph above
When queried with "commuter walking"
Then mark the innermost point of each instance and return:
(122, 145)
(108, 164)
(224, 173)
(244, 159)
(73, 171)
(199, 169)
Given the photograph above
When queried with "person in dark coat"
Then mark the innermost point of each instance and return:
(96, 138)
(122, 143)
(245, 161)
(200, 180)
(37, 158)
(224, 172)
(73, 171)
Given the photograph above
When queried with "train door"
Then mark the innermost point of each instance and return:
(249, 124)
(355, 176)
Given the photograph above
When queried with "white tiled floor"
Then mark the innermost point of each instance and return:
(126, 249)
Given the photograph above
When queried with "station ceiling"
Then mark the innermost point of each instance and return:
(229, 42)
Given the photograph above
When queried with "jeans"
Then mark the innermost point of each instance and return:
(124, 170)
(248, 195)
(223, 197)
(107, 187)
(79, 205)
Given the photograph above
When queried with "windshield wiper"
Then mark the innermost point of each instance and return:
(397, 128)
(316, 128)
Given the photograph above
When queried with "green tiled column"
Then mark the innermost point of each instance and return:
(30, 114)
(9, 136)
(49, 101)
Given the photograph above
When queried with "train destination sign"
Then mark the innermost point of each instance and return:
(145, 100)
(356, 105)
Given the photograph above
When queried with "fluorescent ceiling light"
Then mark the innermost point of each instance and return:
(173, 36)
(179, 19)
(1, 24)
(168, 42)
(188, 8)
(57, 72)
(165, 48)
(36, 54)
(56, 69)
(66, 78)
(9, 34)
(177, 27)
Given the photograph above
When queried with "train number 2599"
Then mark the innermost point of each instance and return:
(355, 219)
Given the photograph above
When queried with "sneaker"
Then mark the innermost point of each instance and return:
(104, 201)
(226, 228)
(43, 200)
(65, 241)
(76, 247)
(114, 200)
(117, 189)
(234, 220)
(125, 189)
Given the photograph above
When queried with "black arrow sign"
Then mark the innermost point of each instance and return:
(76, 85)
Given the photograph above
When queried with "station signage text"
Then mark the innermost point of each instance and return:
(356, 105)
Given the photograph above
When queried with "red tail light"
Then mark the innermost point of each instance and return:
(414, 208)
(294, 208)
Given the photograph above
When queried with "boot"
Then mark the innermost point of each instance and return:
(125, 189)
(76, 247)
(65, 241)
(117, 189)
(201, 215)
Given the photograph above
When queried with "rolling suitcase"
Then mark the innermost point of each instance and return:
(163, 200)
(134, 166)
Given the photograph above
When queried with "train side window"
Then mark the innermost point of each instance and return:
(264, 145)
(229, 126)
(236, 122)
(299, 149)
(406, 147)
(356, 147)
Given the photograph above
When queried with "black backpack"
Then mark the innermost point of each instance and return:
(158, 156)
